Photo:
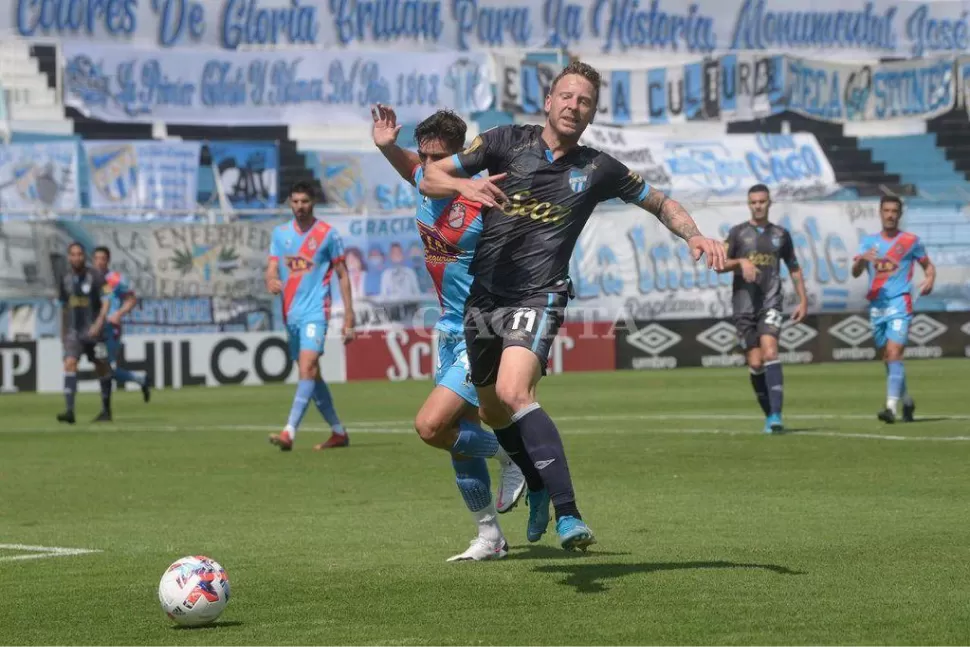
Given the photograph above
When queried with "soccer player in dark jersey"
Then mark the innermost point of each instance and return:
(542, 188)
(449, 419)
(84, 308)
(755, 250)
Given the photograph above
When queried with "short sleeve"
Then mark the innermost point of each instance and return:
(863, 246)
(919, 250)
(124, 289)
(335, 244)
(487, 151)
(618, 181)
(417, 174)
(787, 253)
(274, 246)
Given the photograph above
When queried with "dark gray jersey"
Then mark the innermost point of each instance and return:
(526, 244)
(765, 248)
(81, 296)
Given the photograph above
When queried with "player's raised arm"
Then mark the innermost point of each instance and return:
(450, 176)
(384, 133)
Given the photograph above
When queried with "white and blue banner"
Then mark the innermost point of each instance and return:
(38, 178)
(138, 175)
(125, 84)
(834, 29)
(362, 182)
(837, 92)
(695, 171)
(248, 173)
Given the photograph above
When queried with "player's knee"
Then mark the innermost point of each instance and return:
(309, 370)
(70, 365)
(432, 429)
(769, 355)
(513, 396)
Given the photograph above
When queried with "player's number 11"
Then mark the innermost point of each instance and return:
(528, 315)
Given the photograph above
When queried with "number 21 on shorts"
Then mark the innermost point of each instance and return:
(773, 318)
(526, 314)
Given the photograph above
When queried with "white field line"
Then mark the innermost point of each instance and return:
(41, 552)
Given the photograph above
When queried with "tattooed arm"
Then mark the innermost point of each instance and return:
(674, 217)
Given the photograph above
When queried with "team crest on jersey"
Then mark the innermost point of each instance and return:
(312, 244)
(886, 265)
(578, 180)
(298, 264)
(776, 240)
(437, 249)
(456, 216)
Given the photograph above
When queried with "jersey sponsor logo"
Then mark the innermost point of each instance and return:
(78, 302)
(437, 249)
(520, 204)
(722, 338)
(886, 265)
(762, 259)
(578, 180)
(456, 215)
(653, 339)
(297, 264)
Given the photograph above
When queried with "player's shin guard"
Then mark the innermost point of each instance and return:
(760, 387)
(106, 393)
(895, 380)
(304, 391)
(70, 390)
(511, 441)
(475, 485)
(474, 442)
(544, 446)
(324, 402)
(776, 386)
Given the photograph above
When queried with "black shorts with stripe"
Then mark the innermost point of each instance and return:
(494, 323)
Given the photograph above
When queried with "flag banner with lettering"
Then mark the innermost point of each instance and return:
(838, 30)
(129, 176)
(37, 178)
(792, 166)
(197, 86)
(861, 92)
(361, 182)
(248, 172)
(522, 84)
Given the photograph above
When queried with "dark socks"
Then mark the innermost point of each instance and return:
(70, 390)
(544, 446)
(106, 393)
(511, 441)
(760, 389)
(776, 385)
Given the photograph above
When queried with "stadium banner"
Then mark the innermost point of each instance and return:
(644, 345)
(248, 172)
(522, 84)
(177, 361)
(140, 175)
(361, 182)
(837, 29)
(38, 177)
(841, 93)
(18, 367)
(212, 87)
(792, 166)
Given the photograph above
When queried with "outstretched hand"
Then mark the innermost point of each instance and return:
(385, 127)
(484, 190)
(712, 249)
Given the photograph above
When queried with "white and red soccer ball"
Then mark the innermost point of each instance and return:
(194, 591)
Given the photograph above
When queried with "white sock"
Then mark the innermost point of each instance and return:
(891, 404)
(488, 527)
(292, 430)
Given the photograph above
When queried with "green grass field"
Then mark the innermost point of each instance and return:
(845, 531)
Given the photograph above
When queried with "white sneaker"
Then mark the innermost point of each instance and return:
(482, 549)
(511, 484)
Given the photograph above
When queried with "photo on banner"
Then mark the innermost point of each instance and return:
(248, 172)
(38, 178)
(362, 182)
(128, 177)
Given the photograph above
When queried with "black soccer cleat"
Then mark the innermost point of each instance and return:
(104, 416)
(908, 411)
(887, 416)
(146, 390)
(67, 416)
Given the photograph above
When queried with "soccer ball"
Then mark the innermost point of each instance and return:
(194, 591)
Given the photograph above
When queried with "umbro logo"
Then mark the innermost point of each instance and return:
(853, 331)
(924, 329)
(796, 335)
(721, 337)
(653, 339)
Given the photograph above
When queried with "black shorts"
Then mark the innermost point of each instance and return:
(751, 327)
(78, 346)
(494, 323)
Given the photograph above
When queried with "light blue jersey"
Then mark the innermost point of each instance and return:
(891, 283)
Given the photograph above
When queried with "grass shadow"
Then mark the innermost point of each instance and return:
(591, 577)
(214, 625)
(551, 552)
(936, 419)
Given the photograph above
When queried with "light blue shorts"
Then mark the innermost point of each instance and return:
(453, 371)
(890, 323)
(309, 335)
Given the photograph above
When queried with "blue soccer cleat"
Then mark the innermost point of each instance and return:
(574, 533)
(773, 424)
(538, 503)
